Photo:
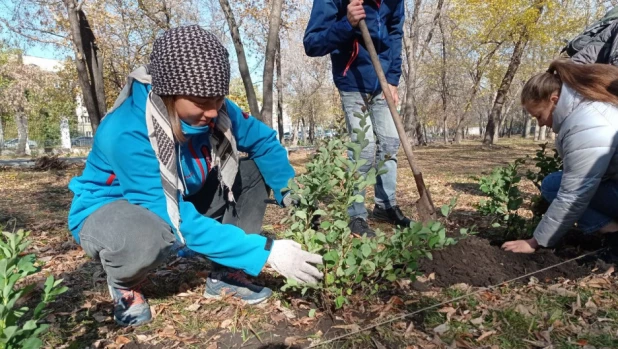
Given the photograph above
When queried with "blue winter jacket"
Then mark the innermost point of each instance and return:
(330, 32)
(123, 166)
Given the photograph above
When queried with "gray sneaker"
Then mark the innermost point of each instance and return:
(237, 284)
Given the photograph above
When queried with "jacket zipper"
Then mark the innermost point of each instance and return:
(197, 159)
(355, 50)
(378, 3)
(182, 172)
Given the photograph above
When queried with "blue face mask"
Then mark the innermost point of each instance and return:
(193, 130)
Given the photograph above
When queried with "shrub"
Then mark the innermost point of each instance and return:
(20, 327)
(331, 184)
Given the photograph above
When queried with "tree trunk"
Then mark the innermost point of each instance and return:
(510, 132)
(444, 90)
(496, 110)
(477, 78)
(543, 133)
(421, 132)
(303, 130)
(411, 45)
(528, 123)
(537, 131)
(481, 128)
(23, 148)
(1, 135)
(88, 61)
(552, 135)
(243, 66)
(279, 92)
(311, 122)
(514, 63)
(269, 61)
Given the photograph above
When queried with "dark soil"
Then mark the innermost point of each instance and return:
(478, 262)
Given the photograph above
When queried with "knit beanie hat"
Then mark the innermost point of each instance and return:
(189, 61)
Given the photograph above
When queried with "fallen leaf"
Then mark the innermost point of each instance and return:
(277, 317)
(351, 327)
(100, 317)
(590, 304)
(100, 343)
(409, 329)
(213, 345)
(226, 323)
(525, 310)
(289, 313)
(449, 311)
(378, 344)
(477, 321)
(193, 307)
(462, 287)
(168, 332)
(291, 341)
(598, 283)
(442, 329)
(537, 344)
(143, 338)
(561, 291)
(485, 335)
(122, 340)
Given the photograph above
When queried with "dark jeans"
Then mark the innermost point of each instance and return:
(602, 209)
(130, 241)
(247, 213)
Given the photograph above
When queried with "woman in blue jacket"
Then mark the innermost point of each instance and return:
(164, 171)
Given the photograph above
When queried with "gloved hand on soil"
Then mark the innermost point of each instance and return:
(289, 259)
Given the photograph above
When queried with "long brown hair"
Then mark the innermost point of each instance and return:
(595, 82)
(174, 119)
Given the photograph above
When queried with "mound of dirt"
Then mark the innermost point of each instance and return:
(477, 262)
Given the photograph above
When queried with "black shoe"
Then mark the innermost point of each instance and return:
(610, 255)
(359, 227)
(392, 215)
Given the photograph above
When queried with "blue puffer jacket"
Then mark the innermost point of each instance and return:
(330, 32)
(123, 166)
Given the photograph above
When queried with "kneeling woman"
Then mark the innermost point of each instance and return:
(164, 171)
(580, 103)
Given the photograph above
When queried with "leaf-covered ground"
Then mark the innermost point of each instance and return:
(537, 313)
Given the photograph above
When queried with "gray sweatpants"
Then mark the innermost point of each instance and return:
(130, 241)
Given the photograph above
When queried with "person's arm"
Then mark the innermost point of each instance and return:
(395, 33)
(262, 145)
(325, 32)
(137, 170)
(587, 155)
(605, 40)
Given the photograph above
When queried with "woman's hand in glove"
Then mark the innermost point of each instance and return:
(289, 259)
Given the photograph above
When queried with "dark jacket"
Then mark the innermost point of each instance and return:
(603, 48)
(597, 43)
(330, 32)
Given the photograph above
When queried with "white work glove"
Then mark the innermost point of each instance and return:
(289, 259)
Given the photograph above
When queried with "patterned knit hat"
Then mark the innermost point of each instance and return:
(189, 61)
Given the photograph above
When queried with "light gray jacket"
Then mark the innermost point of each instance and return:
(587, 139)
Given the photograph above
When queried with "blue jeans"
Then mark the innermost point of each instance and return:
(602, 209)
(383, 145)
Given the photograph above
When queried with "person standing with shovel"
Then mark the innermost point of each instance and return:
(334, 29)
